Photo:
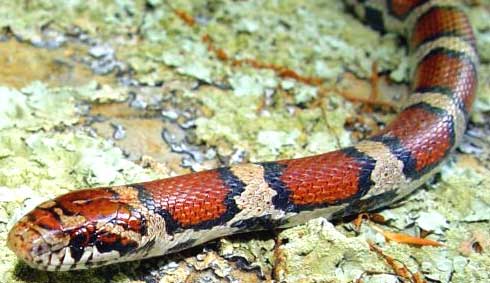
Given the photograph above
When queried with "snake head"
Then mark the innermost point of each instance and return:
(79, 230)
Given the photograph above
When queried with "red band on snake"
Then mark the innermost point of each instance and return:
(101, 226)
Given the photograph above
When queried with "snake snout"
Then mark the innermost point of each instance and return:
(27, 243)
(80, 229)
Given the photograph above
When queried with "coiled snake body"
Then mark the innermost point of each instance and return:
(101, 226)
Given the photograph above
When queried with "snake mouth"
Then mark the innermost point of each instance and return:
(27, 243)
(54, 250)
(37, 247)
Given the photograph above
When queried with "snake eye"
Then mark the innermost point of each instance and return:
(79, 239)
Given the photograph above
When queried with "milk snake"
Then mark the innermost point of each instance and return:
(100, 226)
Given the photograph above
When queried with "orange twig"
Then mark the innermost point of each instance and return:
(406, 239)
(374, 95)
(282, 71)
(398, 267)
(185, 17)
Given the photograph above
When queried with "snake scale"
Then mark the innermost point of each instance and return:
(100, 226)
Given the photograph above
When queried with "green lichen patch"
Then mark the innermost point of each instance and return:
(36, 107)
(245, 32)
(479, 21)
(257, 253)
(470, 186)
(31, 109)
(26, 156)
(482, 103)
(273, 133)
(104, 18)
(450, 211)
(317, 252)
